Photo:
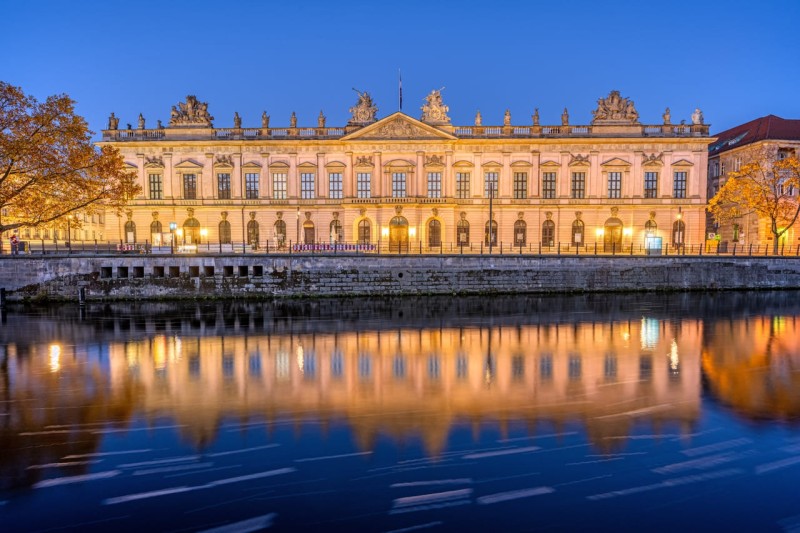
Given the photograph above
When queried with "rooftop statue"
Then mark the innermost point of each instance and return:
(364, 111)
(615, 109)
(434, 111)
(190, 113)
(697, 116)
(113, 122)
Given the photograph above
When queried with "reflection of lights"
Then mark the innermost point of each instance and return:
(55, 358)
(674, 360)
(282, 365)
(300, 359)
(626, 335)
(650, 333)
(779, 324)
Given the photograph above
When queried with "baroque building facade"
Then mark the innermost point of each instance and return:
(424, 184)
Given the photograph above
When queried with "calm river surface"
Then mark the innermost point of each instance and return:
(601, 412)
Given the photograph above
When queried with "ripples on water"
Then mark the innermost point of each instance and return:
(596, 412)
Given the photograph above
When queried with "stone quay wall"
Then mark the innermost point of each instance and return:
(156, 277)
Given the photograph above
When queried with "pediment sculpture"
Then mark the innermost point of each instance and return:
(190, 113)
(434, 111)
(364, 111)
(399, 128)
(615, 109)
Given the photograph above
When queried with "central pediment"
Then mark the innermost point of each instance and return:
(398, 126)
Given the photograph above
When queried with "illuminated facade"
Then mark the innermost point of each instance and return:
(419, 184)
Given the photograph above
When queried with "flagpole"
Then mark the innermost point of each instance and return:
(399, 91)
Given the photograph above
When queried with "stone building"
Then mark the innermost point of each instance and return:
(729, 152)
(416, 184)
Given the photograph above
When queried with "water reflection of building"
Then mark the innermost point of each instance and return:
(52, 398)
(754, 365)
(418, 383)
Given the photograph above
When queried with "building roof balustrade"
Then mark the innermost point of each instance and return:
(464, 132)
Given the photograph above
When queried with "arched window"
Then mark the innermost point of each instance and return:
(253, 235)
(678, 233)
(434, 233)
(155, 233)
(337, 231)
(191, 231)
(364, 232)
(462, 232)
(224, 232)
(650, 228)
(520, 233)
(279, 233)
(578, 235)
(130, 232)
(155, 227)
(487, 234)
(548, 233)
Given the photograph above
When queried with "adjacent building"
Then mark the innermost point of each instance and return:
(421, 184)
(728, 153)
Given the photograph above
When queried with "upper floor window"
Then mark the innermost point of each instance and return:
(737, 164)
(224, 186)
(490, 184)
(579, 184)
(335, 185)
(651, 184)
(462, 185)
(679, 185)
(398, 184)
(615, 184)
(434, 184)
(549, 185)
(156, 189)
(279, 186)
(364, 185)
(190, 186)
(307, 185)
(520, 185)
(251, 186)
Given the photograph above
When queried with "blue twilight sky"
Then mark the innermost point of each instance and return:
(736, 60)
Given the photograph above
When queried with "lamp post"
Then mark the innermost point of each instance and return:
(203, 235)
(69, 234)
(172, 227)
(298, 225)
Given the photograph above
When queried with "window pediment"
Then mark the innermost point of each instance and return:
(279, 165)
(683, 163)
(130, 166)
(188, 164)
(550, 164)
(463, 164)
(335, 165)
(307, 167)
(493, 164)
(520, 164)
(579, 161)
(616, 162)
(251, 165)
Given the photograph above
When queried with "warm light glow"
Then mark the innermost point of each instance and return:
(179, 232)
(412, 232)
(55, 358)
(674, 359)
(204, 232)
(173, 226)
(679, 216)
(599, 232)
(384, 232)
(627, 232)
(300, 359)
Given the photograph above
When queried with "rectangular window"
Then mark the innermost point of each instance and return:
(434, 184)
(364, 185)
(279, 186)
(679, 185)
(156, 189)
(520, 185)
(398, 184)
(549, 185)
(462, 185)
(189, 186)
(335, 185)
(722, 168)
(307, 187)
(224, 186)
(615, 184)
(490, 184)
(651, 184)
(578, 184)
(251, 186)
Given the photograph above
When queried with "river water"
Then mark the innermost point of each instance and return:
(558, 413)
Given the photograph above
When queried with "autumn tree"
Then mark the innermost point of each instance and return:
(49, 167)
(764, 185)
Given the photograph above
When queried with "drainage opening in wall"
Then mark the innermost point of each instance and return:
(399, 274)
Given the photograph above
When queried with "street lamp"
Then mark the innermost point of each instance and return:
(172, 227)
(203, 235)
(298, 225)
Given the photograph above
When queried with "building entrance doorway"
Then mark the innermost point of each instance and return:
(612, 235)
(398, 234)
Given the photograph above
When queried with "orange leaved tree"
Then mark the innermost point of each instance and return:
(49, 167)
(764, 185)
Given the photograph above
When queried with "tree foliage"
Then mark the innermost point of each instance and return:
(49, 167)
(764, 185)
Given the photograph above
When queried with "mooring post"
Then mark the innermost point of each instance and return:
(82, 296)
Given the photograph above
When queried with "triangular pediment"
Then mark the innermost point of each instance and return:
(683, 163)
(398, 126)
(188, 164)
(616, 162)
(550, 164)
